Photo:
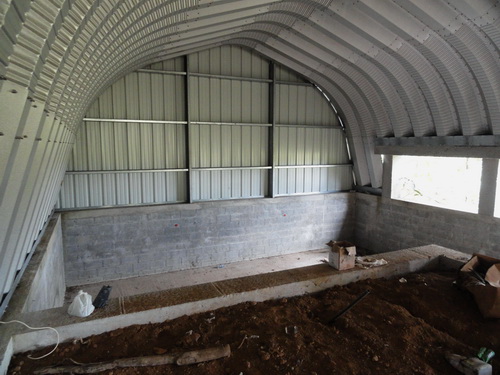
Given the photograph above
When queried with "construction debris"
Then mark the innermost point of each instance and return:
(469, 366)
(351, 305)
(481, 277)
(368, 262)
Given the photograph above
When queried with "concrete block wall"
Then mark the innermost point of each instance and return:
(117, 243)
(384, 225)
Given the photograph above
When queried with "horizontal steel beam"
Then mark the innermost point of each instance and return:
(167, 72)
(128, 171)
(206, 75)
(313, 166)
(229, 168)
(479, 146)
(310, 126)
(87, 119)
(228, 123)
(308, 84)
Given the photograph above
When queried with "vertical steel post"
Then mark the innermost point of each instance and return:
(272, 121)
(189, 187)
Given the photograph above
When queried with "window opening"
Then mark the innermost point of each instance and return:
(446, 182)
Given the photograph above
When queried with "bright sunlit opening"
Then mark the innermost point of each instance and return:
(452, 183)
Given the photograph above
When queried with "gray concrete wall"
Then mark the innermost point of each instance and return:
(43, 283)
(383, 225)
(123, 242)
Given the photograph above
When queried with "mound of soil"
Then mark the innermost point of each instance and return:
(399, 328)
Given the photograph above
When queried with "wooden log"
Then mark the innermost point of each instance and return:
(203, 355)
(188, 358)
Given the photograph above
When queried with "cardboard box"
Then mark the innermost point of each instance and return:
(487, 293)
(342, 255)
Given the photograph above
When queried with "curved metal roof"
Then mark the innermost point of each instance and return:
(401, 72)
(395, 68)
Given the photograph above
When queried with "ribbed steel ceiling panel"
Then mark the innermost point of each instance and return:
(461, 83)
(493, 30)
(484, 64)
(434, 90)
(393, 103)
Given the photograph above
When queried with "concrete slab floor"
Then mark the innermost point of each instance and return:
(171, 280)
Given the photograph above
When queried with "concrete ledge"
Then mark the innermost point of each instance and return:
(170, 304)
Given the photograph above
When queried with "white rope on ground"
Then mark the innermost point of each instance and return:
(36, 329)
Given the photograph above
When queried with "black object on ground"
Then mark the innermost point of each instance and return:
(353, 303)
(102, 298)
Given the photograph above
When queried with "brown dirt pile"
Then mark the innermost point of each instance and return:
(399, 328)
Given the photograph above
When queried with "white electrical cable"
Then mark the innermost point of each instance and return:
(36, 329)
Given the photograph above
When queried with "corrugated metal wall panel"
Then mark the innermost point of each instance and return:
(124, 146)
(173, 65)
(284, 74)
(305, 146)
(216, 146)
(224, 100)
(229, 61)
(309, 180)
(228, 129)
(303, 105)
(131, 97)
(297, 146)
(111, 189)
(230, 184)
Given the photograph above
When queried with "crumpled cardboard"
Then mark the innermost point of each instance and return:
(487, 293)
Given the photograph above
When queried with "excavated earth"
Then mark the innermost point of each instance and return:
(403, 326)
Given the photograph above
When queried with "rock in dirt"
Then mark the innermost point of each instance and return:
(265, 356)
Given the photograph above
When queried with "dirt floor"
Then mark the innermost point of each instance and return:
(399, 328)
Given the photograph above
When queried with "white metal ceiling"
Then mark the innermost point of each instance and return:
(395, 69)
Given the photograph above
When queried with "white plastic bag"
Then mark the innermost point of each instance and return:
(82, 305)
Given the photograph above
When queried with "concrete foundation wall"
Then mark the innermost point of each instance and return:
(124, 242)
(384, 225)
(43, 283)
